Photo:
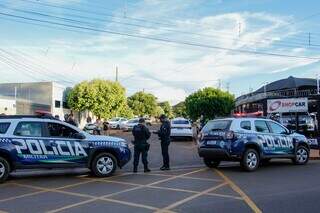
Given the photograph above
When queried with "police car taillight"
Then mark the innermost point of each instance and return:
(229, 135)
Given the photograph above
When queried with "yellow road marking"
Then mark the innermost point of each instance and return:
(72, 205)
(184, 177)
(245, 197)
(178, 203)
(21, 196)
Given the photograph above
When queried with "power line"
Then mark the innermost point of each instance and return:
(161, 39)
(121, 18)
(29, 68)
(275, 42)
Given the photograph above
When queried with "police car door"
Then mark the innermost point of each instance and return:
(27, 142)
(65, 148)
(282, 139)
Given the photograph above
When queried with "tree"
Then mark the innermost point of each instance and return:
(106, 99)
(179, 110)
(143, 104)
(167, 109)
(210, 102)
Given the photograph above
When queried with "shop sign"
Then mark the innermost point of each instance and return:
(287, 105)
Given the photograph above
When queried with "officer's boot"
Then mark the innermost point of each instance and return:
(135, 169)
(146, 169)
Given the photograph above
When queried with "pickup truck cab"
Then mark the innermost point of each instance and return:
(250, 141)
(45, 142)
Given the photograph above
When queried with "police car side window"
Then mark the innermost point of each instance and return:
(4, 127)
(245, 125)
(59, 130)
(277, 129)
(261, 126)
(29, 129)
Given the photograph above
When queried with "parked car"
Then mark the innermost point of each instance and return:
(307, 122)
(181, 128)
(128, 126)
(117, 123)
(44, 142)
(250, 141)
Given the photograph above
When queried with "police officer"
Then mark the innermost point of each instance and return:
(164, 136)
(141, 134)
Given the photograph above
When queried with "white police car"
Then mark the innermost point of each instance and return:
(44, 142)
(250, 141)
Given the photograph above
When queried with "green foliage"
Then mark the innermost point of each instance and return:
(167, 109)
(180, 110)
(210, 102)
(143, 104)
(106, 99)
(159, 111)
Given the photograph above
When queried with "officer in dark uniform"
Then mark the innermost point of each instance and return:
(164, 136)
(141, 134)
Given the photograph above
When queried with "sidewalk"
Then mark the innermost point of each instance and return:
(314, 154)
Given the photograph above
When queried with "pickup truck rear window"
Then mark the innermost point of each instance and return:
(4, 127)
(216, 125)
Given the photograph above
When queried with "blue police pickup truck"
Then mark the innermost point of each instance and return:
(250, 141)
(44, 142)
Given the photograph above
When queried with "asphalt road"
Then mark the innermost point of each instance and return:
(188, 187)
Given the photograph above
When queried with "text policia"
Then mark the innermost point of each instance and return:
(38, 147)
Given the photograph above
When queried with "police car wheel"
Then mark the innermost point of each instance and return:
(211, 163)
(250, 161)
(104, 165)
(302, 156)
(4, 169)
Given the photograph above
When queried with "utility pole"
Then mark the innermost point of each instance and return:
(117, 73)
(219, 83)
(318, 85)
(228, 86)
(309, 39)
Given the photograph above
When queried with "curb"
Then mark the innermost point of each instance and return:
(314, 158)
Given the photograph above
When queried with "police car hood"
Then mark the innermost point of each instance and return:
(104, 138)
(297, 135)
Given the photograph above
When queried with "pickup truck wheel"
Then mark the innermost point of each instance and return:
(211, 163)
(250, 160)
(301, 156)
(4, 169)
(104, 165)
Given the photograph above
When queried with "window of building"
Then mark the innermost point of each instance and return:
(245, 125)
(59, 130)
(261, 126)
(57, 104)
(29, 129)
(65, 105)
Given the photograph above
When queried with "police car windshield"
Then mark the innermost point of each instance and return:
(216, 125)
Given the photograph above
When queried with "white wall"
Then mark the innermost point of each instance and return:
(8, 106)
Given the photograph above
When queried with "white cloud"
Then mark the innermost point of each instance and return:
(171, 71)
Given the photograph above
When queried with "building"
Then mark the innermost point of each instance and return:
(27, 98)
(292, 94)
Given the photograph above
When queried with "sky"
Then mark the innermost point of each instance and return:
(170, 48)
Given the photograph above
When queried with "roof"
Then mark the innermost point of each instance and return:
(288, 83)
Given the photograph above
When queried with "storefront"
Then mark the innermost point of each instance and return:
(290, 97)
